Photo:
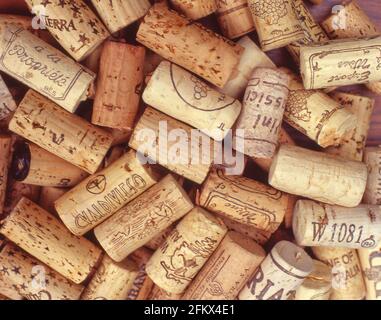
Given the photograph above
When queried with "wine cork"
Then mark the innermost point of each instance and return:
(44, 237)
(279, 275)
(8, 104)
(262, 114)
(119, 85)
(113, 155)
(175, 264)
(159, 294)
(362, 107)
(32, 279)
(61, 133)
(316, 1)
(101, 195)
(144, 218)
(189, 45)
(316, 224)
(21, 21)
(151, 139)
(339, 63)
(45, 69)
(5, 154)
(216, 281)
(244, 200)
(179, 94)
(276, 23)
(112, 281)
(347, 282)
(318, 176)
(234, 18)
(370, 260)
(120, 136)
(372, 158)
(34, 165)
(119, 14)
(317, 116)
(156, 242)
(48, 196)
(195, 9)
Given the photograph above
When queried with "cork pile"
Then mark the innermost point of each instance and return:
(88, 214)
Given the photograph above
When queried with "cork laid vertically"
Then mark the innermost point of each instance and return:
(370, 260)
(5, 155)
(372, 159)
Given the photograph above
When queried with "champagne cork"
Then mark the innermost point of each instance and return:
(228, 269)
(318, 176)
(119, 14)
(362, 107)
(44, 237)
(34, 165)
(244, 200)
(101, 195)
(347, 282)
(112, 281)
(5, 154)
(119, 85)
(59, 132)
(156, 242)
(279, 275)
(72, 24)
(195, 9)
(276, 23)
(151, 138)
(179, 94)
(372, 159)
(8, 104)
(144, 218)
(338, 63)
(175, 264)
(189, 45)
(262, 114)
(32, 279)
(48, 196)
(370, 260)
(159, 294)
(43, 68)
(234, 18)
(317, 116)
(316, 224)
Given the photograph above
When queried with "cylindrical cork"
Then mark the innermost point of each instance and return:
(316, 1)
(262, 114)
(318, 176)
(5, 155)
(317, 116)
(24, 22)
(101, 195)
(65, 135)
(370, 260)
(372, 158)
(114, 154)
(144, 218)
(119, 14)
(34, 165)
(45, 69)
(317, 224)
(72, 24)
(46, 238)
(227, 270)
(347, 282)
(189, 45)
(119, 85)
(280, 274)
(175, 264)
(112, 281)
(156, 242)
(159, 294)
(195, 9)
(32, 279)
(244, 200)
(276, 23)
(234, 18)
(8, 104)
(48, 196)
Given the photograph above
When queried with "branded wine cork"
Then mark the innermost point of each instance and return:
(48, 196)
(181, 95)
(276, 23)
(101, 195)
(156, 242)
(5, 154)
(347, 282)
(44, 237)
(119, 85)
(159, 294)
(317, 116)
(189, 45)
(65, 135)
(370, 260)
(32, 279)
(8, 104)
(279, 275)
(340, 63)
(175, 264)
(317, 224)
(318, 176)
(372, 158)
(112, 281)
(244, 200)
(119, 14)
(144, 218)
(195, 9)
(216, 281)
(43, 68)
(262, 114)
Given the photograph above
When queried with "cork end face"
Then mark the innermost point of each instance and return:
(273, 169)
(21, 161)
(299, 223)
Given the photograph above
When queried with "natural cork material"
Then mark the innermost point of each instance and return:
(5, 155)
(195, 9)
(8, 104)
(372, 159)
